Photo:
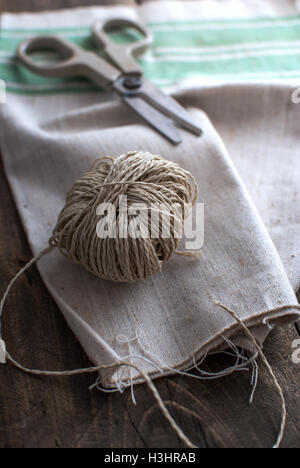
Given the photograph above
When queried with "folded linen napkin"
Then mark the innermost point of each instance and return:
(52, 131)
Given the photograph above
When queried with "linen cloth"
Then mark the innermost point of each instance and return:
(239, 64)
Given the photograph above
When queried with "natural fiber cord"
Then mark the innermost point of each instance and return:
(128, 253)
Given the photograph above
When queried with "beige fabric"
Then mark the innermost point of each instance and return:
(263, 140)
(50, 141)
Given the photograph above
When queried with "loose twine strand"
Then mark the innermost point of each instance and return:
(266, 362)
(87, 370)
(145, 376)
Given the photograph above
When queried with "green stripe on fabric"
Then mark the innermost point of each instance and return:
(224, 37)
(188, 37)
(172, 70)
(201, 37)
(226, 21)
(248, 53)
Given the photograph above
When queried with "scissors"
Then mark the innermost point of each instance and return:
(119, 72)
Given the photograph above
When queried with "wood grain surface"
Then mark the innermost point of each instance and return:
(63, 412)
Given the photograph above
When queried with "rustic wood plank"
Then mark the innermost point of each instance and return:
(62, 412)
(40, 5)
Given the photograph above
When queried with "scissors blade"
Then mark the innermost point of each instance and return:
(160, 122)
(168, 106)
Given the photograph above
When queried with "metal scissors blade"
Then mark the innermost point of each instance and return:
(147, 91)
(162, 124)
(169, 107)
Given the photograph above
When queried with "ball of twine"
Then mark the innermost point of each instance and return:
(144, 178)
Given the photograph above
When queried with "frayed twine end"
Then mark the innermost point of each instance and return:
(262, 355)
(2, 352)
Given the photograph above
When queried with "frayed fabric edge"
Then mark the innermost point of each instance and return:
(156, 394)
(243, 363)
(234, 334)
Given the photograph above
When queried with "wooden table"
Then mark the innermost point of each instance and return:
(62, 412)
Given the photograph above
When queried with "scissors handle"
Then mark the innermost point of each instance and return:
(76, 61)
(122, 55)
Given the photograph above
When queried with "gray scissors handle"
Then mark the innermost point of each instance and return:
(75, 61)
(122, 55)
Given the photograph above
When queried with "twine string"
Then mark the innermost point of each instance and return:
(266, 362)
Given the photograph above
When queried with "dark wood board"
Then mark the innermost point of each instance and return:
(63, 412)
